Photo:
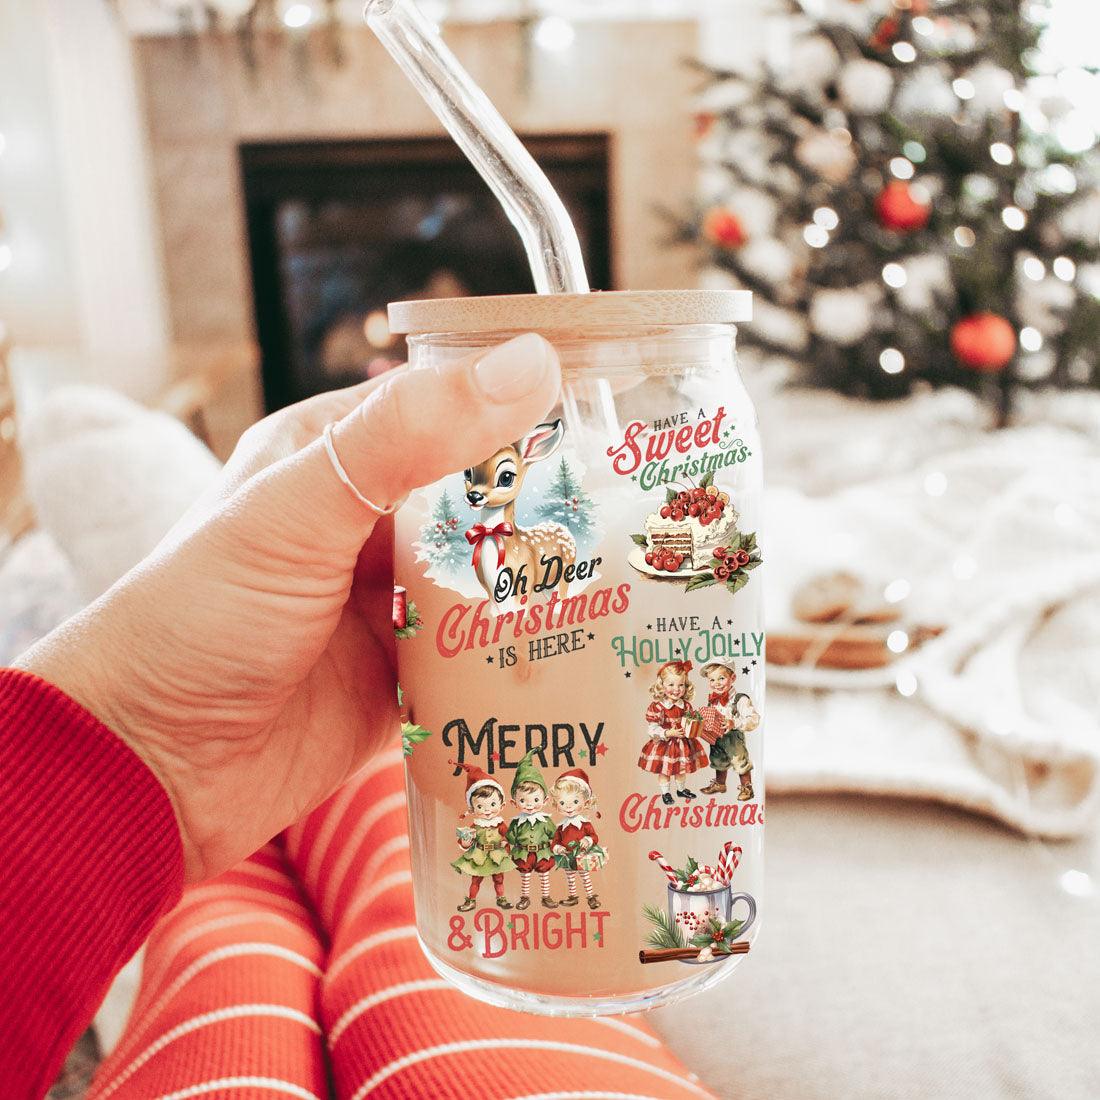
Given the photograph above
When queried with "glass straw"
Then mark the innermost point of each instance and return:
(520, 185)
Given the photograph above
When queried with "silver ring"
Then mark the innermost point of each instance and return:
(342, 474)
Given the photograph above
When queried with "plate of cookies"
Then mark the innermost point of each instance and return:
(845, 630)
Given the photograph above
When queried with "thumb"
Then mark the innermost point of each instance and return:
(419, 425)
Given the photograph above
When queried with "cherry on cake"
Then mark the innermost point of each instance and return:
(686, 528)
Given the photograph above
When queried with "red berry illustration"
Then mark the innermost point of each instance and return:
(742, 557)
(677, 514)
(649, 559)
(721, 572)
(720, 552)
(666, 511)
(694, 510)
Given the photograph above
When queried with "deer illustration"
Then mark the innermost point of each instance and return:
(499, 542)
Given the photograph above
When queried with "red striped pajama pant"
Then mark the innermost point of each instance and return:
(298, 974)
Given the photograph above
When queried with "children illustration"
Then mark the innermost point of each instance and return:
(486, 852)
(575, 843)
(671, 753)
(729, 751)
(531, 833)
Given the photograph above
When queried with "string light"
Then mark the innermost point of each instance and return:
(904, 51)
(826, 217)
(1001, 153)
(1034, 268)
(1014, 99)
(1031, 339)
(914, 151)
(902, 167)
(935, 483)
(963, 88)
(815, 236)
(897, 641)
(298, 15)
(923, 25)
(554, 34)
(1064, 268)
(894, 275)
(892, 361)
(1013, 217)
(896, 590)
(906, 683)
(1078, 884)
(964, 236)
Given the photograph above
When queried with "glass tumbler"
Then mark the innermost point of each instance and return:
(581, 659)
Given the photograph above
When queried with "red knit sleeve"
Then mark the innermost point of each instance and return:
(91, 857)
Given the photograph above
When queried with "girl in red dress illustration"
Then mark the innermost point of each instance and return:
(672, 753)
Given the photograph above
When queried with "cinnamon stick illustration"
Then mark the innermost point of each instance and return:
(673, 954)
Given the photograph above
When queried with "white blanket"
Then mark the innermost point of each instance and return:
(998, 536)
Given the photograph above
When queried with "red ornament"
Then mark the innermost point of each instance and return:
(983, 342)
(723, 228)
(884, 34)
(703, 123)
(897, 209)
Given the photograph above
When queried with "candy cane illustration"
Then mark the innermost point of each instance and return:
(728, 861)
(665, 866)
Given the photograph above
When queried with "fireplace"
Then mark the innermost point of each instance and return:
(337, 229)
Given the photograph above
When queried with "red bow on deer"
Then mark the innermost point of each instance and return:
(479, 533)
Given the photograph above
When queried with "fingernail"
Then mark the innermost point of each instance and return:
(515, 369)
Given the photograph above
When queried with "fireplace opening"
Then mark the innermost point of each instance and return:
(339, 229)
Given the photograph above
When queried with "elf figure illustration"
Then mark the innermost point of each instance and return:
(730, 751)
(531, 833)
(671, 753)
(485, 852)
(575, 843)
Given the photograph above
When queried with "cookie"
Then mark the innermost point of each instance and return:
(841, 596)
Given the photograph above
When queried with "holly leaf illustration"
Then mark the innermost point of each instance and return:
(707, 479)
(749, 541)
(702, 580)
(670, 495)
(639, 540)
(752, 563)
(737, 581)
(412, 735)
(413, 622)
(736, 542)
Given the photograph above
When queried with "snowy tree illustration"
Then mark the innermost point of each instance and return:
(442, 537)
(566, 502)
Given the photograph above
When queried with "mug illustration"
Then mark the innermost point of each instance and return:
(697, 925)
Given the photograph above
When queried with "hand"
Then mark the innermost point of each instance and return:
(250, 659)
(586, 843)
(558, 850)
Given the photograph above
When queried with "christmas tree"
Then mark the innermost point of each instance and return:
(567, 503)
(912, 200)
(442, 538)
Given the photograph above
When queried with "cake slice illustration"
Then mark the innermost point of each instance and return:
(688, 526)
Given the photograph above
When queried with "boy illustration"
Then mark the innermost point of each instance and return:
(729, 751)
(485, 850)
(531, 833)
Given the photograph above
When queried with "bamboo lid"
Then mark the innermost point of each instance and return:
(549, 312)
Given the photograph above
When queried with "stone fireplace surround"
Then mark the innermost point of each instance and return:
(201, 101)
